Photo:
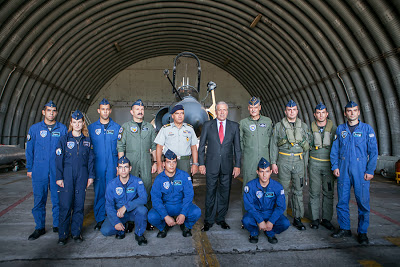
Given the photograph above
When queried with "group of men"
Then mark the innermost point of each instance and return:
(133, 152)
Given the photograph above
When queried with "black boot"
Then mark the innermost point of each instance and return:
(314, 224)
(98, 225)
(341, 233)
(36, 234)
(298, 224)
(327, 224)
(129, 226)
(253, 239)
(163, 233)
(141, 240)
(185, 231)
(363, 239)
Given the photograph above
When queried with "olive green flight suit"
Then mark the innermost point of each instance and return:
(255, 136)
(320, 172)
(291, 158)
(136, 143)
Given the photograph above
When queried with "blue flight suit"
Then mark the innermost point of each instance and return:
(173, 197)
(354, 154)
(134, 197)
(40, 160)
(75, 165)
(106, 156)
(264, 204)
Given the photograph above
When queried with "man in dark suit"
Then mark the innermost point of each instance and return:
(223, 146)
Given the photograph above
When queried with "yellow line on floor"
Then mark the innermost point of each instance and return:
(369, 263)
(304, 220)
(89, 218)
(393, 240)
(203, 247)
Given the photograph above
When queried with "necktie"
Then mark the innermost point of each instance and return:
(221, 132)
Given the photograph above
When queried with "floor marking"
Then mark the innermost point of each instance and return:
(204, 248)
(89, 218)
(379, 214)
(369, 263)
(393, 240)
(16, 204)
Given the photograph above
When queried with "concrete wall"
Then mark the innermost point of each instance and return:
(145, 80)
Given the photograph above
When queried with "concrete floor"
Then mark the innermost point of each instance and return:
(217, 247)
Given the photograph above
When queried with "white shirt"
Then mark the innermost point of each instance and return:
(223, 125)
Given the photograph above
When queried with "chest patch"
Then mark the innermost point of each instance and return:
(166, 185)
(133, 129)
(43, 133)
(130, 190)
(269, 194)
(145, 129)
(170, 134)
(344, 134)
(119, 190)
(252, 127)
(86, 143)
(98, 131)
(263, 125)
(259, 194)
(177, 182)
(357, 134)
(70, 145)
(55, 134)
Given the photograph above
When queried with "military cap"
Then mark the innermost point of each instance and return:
(77, 115)
(254, 101)
(170, 155)
(176, 108)
(104, 102)
(263, 163)
(291, 104)
(50, 104)
(320, 106)
(123, 160)
(138, 102)
(351, 104)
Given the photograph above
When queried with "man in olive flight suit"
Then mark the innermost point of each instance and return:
(136, 142)
(289, 152)
(255, 136)
(323, 132)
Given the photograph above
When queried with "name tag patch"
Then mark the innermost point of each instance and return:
(86, 143)
(357, 134)
(263, 125)
(269, 194)
(130, 190)
(145, 129)
(177, 182)
(110, 131)
(55, 134)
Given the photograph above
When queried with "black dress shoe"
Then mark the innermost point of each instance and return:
(78, 239)
(224, 225)
(186, 231)
(98, 225)
(253, 239)
(120, 235)
(62, 241)
(129, 226)
(149, 227)
(242, 227)
(341, 233)
(327, 224)
(314, 224)
(298, 224)
(36, 234)
(272, 239)
(206, 227)
(55, 229)
(141, 240)
(363, 239)
(163, 233)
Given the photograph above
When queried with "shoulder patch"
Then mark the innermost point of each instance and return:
(28, 137)
(140, 182)
(121, 130)
(166, 125)
(246, 189)
(282, 192)
(189, 125)
(58, 151)
(371, 135)
(189, 178)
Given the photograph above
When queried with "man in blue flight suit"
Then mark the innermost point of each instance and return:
(125, 200)
(264, 201)
(353, 158)
(104, 136)
(172, 195)
(40, 161)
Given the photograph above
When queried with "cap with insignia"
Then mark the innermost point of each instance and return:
(138, 102)
(263, 163)
(50, 104)
(254, 101)
(104, 102)
(351, 104)
(77, 115)
(176, 108)
(320, 106)
(170, 155)
(123, 160)
(291, 104)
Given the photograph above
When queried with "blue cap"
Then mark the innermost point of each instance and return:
(104, 102)
(138, 102)
(50, 104)
(291, 104)
(351, 104)
(123, 160)
(170, 155)
(320, 106)
(263, 163)
(176, 108)
(77, 115)
(254, 101)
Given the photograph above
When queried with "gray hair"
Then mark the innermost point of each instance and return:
(222, 103)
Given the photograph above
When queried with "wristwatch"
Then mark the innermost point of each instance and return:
(197, 164)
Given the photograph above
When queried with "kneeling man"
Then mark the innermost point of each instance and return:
(264, 201)
(172, 196)
(125, 200)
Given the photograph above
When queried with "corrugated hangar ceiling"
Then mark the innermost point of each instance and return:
(310, 51)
